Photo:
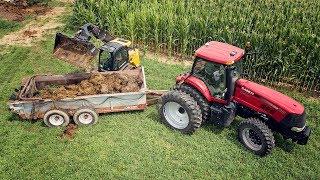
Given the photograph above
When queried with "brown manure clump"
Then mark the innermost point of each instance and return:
(69, 132)
(96, 84)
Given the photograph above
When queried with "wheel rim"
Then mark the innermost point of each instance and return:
(85, 118)
(176, 115)
(251, 139)
(56, 119)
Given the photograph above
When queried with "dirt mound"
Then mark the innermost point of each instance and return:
(96, 84)
(29, 33)
(69, 132)
(34, 30)
(13, 12)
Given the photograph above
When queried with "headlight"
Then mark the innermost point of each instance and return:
(297, 129)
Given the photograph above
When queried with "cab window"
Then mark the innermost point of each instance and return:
(213, 75)
(105, 60)
(121, 57)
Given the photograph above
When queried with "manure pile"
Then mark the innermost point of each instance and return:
(96, 84)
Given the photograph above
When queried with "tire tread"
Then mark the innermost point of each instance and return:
(202, 102)
(266, 132)
(191, 107)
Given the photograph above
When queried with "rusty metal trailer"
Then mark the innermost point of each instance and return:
(83, 109)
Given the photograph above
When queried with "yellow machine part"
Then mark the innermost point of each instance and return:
(122, 41)
(134, 57)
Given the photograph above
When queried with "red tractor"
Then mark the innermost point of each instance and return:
(214, 91)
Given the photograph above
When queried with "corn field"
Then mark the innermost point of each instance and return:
(284, 33)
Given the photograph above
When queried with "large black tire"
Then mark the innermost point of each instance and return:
(202, 101)
(180, 111)
(256, 136)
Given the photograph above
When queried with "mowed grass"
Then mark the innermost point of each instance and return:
(8, 26)
(135, 145)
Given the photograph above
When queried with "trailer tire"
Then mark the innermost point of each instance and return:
(256, 136)
(56, 118)
(180, 111)
(85, 117)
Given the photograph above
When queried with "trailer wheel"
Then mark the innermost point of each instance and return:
(56, 118)
(256, 136)
(85, 117)
(180, 111)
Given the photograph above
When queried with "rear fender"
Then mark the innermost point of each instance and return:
(201, 87)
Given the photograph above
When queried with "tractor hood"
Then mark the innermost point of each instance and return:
(276, 98)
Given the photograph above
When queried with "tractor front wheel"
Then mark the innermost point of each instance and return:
(180, 111)
(256, 136)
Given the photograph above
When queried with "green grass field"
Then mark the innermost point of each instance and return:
(7, 26)
(135, 145)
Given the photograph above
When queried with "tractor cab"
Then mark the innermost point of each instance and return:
(116, 55)
(113, 56)
(217, 65)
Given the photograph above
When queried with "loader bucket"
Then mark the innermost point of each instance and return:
(76, 52)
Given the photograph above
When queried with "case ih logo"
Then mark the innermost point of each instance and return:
(247, 91)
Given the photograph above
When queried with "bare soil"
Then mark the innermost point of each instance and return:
(13, 12)
(34, 30)
(96, 84)
(29, 33)
(172, 60)
(70, 131)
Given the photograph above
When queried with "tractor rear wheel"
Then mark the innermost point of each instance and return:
(202, 102)
(180, 111)
(256, 136)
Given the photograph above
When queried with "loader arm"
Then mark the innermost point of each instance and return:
(88, 30)
(78, 50)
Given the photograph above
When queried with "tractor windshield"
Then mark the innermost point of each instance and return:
(212, 74)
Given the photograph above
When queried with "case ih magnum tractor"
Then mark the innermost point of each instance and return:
(214, 91)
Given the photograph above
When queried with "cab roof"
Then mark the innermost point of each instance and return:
(221, 53)
(111, 46)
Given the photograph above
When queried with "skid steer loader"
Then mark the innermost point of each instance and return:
(115, 53)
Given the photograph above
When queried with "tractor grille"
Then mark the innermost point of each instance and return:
(294, 120)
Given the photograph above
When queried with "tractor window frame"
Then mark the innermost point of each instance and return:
(219, 91)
